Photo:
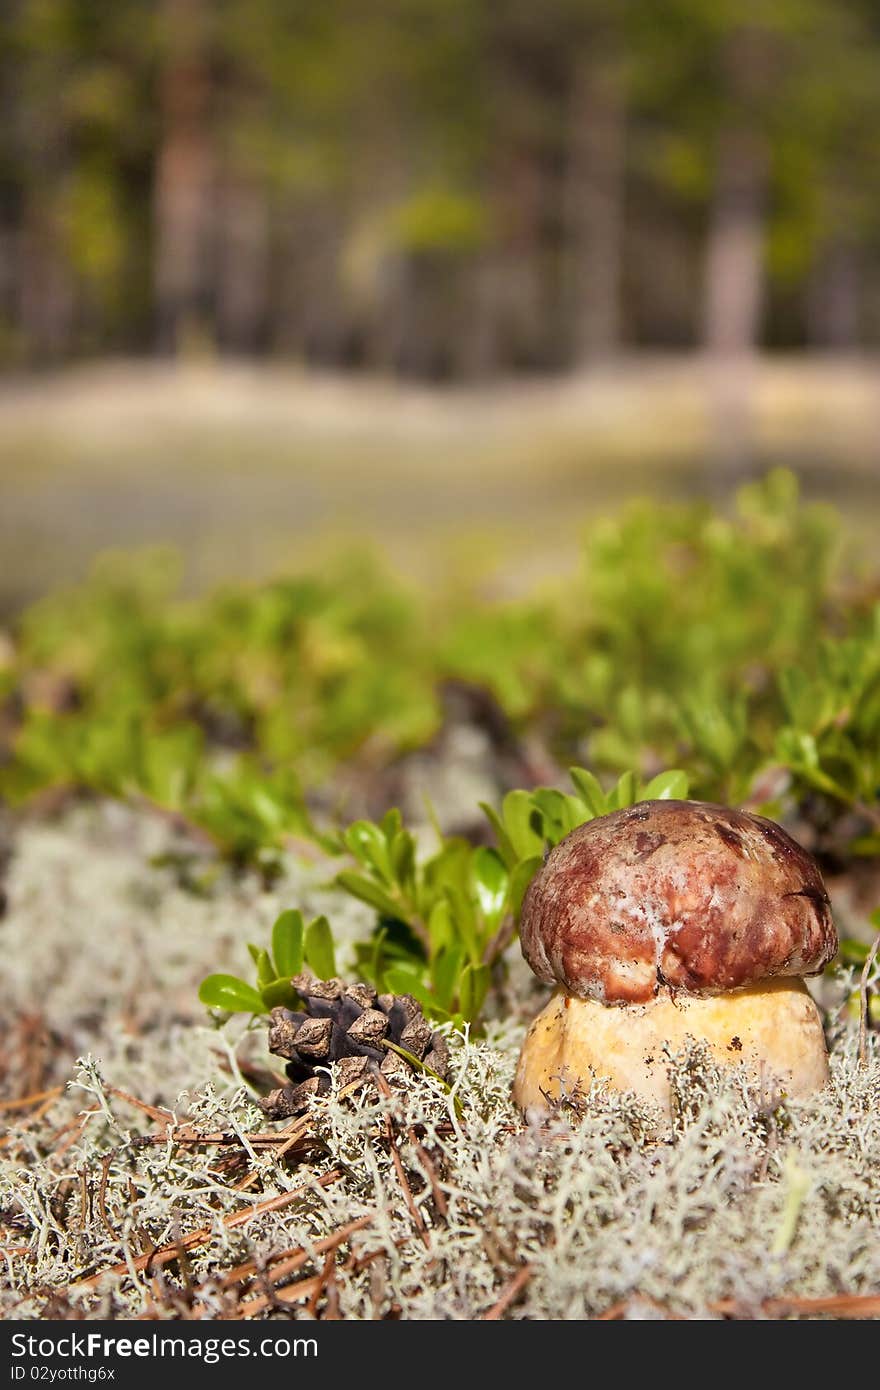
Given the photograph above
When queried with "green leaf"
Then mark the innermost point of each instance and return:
(517, 813)
(368, 844)
(589, 790)
(265, 970)
(402, 849)
(368, 892)
(472, 989)
(800, 753)
(400, 980)
(369, 959)
(559, 813)
(463, 915)
(624, 794)
(279, 993)
(666, 786)
(520, 879)
(445, 971)
(287, 943)
(319, 951)
(231, 994)
(391, 824)
(505, 844)
(441, 928)
(491, 881)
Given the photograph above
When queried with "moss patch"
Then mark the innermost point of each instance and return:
(382, 1205)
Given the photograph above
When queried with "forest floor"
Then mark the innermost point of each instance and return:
(249, 469)
(138, 1176)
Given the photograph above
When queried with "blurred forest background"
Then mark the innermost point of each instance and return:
(278, 271)
(445, 188)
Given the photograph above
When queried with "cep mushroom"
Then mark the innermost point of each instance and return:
(669, 920)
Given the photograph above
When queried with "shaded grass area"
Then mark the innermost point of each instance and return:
(144, 1180)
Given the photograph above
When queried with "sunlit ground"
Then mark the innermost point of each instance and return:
(249, 470)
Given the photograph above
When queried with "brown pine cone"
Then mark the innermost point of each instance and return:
(344, 1027)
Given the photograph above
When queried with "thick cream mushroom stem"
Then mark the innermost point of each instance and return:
(773, 1028)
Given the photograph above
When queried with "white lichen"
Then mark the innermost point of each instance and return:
(742, 1197)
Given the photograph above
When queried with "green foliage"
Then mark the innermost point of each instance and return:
(720, 645)
(830, 739)
(439, 220)
(530, 822)
(127, 690)
(293, 944)
(669, 647)
(443, 922)
(854, 955)
(250, 813)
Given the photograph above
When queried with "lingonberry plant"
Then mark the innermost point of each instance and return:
(443, 921)
(732, 646)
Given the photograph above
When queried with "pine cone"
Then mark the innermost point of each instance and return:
(345, 1026)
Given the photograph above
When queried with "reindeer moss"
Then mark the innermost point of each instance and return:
(745, 1197)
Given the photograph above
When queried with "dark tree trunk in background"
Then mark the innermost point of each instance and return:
(37, 129)
(308, 315)
(735, 248)
(593, 212)
(515, 287)
(834, 309)
(242, 265)
(46, 294)
(477, 345)
(184, 176)
(519, 298)
(734, 275)
(734, 301)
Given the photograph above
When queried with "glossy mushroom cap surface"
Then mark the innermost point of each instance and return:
(685, 894)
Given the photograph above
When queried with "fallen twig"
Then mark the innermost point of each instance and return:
(154, 1258)
(326, 1278)
(511, 1292)
(288, 1261)
(418, 1219)
(618, 1311)
(22, 1102)
(304, 1288)
(844, 1305)
(427, 1163)
(220, 1138)
(30, 1119)
(841, 1305)
(102, 1195)
(164, 1117)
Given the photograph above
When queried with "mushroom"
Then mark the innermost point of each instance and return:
(668, 920)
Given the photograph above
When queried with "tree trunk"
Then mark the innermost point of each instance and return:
(734, 277)
(834, 307)
(242, 265)
(594, 196)
(735, 249)
(183, 178)
(46, 295)
(734, 301)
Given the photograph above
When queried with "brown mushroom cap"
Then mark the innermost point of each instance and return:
(687, 894)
